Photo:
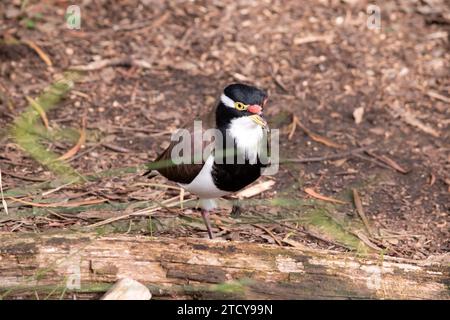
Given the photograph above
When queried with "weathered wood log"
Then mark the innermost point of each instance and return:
(85, 264)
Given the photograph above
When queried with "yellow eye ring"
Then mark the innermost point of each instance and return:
(240, 106)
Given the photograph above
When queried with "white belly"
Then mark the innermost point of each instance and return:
(203, 185)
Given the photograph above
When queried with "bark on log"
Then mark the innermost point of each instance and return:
(89, 264)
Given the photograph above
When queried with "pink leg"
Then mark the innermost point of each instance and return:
(205, 215)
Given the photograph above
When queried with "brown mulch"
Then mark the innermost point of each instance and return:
(319, 62)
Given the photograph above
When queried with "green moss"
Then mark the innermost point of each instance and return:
(26, 129)
(234, 287)
(319, 219)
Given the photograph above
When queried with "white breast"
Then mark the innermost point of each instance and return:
(203, 184)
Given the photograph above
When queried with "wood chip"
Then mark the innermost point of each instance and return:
(127, 289)
(316, 195)
(256, 189)
(358, 115)
(314, 38)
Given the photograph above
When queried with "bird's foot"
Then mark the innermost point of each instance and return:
(236, 210)
(205, 215)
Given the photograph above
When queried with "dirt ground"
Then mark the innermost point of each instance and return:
(154, 65)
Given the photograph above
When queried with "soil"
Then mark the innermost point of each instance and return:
(319, 62)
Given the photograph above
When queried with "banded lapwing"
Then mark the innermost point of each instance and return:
(216, 171)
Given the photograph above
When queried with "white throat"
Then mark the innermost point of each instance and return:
(248, 136)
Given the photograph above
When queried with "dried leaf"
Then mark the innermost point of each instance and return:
(432, 179)
(316, 137)
(69, 154)
(293, 126)
(316, 195)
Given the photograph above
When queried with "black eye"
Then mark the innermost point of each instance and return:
(240, 106)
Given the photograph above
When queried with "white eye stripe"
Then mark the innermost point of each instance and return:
(227, 101)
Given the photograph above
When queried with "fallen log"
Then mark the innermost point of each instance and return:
(86, 265)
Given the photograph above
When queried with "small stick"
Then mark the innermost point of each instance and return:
(388, 161)
(39, 51)
(307, 233)
(374, 161)
(5, 206)
(270, 233)
(14, 175)
(438, 96)
(127, 62)
(360, 210)
(334, 156)
(115, 148)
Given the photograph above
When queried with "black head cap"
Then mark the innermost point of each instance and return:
(246, 94)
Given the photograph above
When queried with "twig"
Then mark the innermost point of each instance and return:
(143, 212)
(316, 195)
(58, 215)
(126, 62)
(360, 210)
(411, 119)
(115, 148)
(5, 206)
(374, 161)
(57, 188)
(270, 233)
(58, 204)
(14, 175)
(293, 127)
(334, 156)
(388, 161)
(81, 140)
(39, 51)
(307, 233)
(316, 137)
(438, 96)
(361, 236)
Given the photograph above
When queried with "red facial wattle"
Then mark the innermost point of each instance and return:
(254, 108)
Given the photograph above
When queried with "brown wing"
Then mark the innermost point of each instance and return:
(185, 172)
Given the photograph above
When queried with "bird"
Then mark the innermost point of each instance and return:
(230, 161)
